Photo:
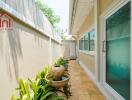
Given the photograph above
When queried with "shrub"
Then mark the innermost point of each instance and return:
(36, 89)
(48, 12)
(62, 61)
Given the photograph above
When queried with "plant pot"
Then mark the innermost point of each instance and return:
(57, 72)
(58, 84)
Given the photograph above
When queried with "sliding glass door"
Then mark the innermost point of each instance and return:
(118, 51)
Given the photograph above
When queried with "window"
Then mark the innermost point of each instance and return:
(91, 44)
(81, 44)
(86, 43)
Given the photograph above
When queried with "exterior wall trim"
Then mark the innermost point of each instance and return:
(92, 53)
(96, 22)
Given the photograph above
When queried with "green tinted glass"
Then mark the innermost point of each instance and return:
(118, 51)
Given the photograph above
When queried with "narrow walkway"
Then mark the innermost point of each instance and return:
(82, 87)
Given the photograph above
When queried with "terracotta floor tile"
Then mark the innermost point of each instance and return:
(97, 97)
(84, 97)
(74, 97)
(82, 87)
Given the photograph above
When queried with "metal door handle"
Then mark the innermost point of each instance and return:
(104, 46)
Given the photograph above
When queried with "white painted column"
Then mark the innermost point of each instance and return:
(96, 20)
(77, 47)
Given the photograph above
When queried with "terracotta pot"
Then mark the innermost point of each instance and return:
(57, 72)
(58, 84)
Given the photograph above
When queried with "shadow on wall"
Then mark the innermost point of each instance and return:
(10, 48)
(15, 49)
(10, 45)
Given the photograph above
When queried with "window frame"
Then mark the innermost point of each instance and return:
(93, 30)
(81, 37)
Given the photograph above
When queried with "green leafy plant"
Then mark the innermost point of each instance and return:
(62, 61)
(48, 12)
(43, 91)
(36, 89)
(23, 90)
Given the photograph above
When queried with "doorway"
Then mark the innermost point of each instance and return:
(117, 51)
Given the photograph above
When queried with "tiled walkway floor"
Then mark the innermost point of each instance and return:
(82, 87)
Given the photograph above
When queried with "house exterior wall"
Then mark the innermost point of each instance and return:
(27, 48)
(89, 21)
(103, 5)
(69, 49)
(87, 59)
(66, 50)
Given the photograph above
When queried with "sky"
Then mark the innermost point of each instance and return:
(61, 8)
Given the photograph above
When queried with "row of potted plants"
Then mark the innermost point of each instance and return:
(46, 85)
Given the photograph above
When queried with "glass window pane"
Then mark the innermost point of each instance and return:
(92, 37)
(118, 51)
(86, 42)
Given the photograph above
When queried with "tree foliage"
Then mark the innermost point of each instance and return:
(48, 12)
(63, 34)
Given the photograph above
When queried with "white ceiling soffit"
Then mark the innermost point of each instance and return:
(83, 8)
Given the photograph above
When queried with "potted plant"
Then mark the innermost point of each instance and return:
(57, 72)
(57, 76)
(36, 89)
(59, 67)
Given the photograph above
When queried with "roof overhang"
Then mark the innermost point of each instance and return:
(78, 11)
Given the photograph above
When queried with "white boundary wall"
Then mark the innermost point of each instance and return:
(28, 47)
